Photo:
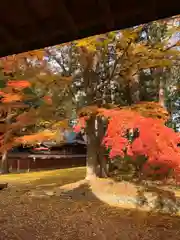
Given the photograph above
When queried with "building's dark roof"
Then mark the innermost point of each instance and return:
(32, 24)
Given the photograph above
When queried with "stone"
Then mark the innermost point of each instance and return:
(38, 194)
(49, 192)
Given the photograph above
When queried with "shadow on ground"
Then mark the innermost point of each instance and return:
(76, 213)
(60, 205)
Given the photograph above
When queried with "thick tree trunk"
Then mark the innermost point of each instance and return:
(92, 156)
(104, 173)
(91, 162)
(90, 62)
(4, 164)
(96, 161)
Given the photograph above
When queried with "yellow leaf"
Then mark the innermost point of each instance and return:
(89, 43)
(34, 138)
(150, 109)
(61, 124)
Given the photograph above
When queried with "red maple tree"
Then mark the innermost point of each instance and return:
(157, 142)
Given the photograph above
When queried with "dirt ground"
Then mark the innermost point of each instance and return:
(26, 213)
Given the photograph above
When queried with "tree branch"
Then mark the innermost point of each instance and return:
(57, 60)
(119, 59)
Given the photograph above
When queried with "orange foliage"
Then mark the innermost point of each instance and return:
(155, 141)
(12, 63)
(10, 97)
(146, 109)
(27, 139)
(151, 109)
(8, 94)
(18, 84)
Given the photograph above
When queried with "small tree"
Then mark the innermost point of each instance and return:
(159, 145)
(20, 108)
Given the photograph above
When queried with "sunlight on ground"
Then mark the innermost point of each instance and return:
(79, 212)
(72, 183)
(62, 176)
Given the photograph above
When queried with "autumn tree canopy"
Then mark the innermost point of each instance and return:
(161, 151)
(19, 108)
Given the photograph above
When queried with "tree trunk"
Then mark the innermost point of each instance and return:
(92, 156)
(4, 160)
(4, 163)
(128, 93)
(161, 94)
(96, 162)
(102, 160)
(90, 81)
(135, 89)
(104, 173)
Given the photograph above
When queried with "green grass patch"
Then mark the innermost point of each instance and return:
(58, 177)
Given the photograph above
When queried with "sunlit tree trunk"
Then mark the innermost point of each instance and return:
(92, 155)
(96, 161)
(103, 171)
(162, 94)
(4, 159)
(4, 163)
(87, 60)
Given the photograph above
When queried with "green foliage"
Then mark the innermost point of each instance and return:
(2, 83)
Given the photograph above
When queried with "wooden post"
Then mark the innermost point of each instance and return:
(29, 165)
(18, 165)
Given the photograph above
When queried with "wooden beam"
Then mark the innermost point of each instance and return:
(106, 11)
(43, 39)
(67, 18)
(32, 12)
(5, 34)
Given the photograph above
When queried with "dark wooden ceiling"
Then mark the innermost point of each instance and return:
(32, 24)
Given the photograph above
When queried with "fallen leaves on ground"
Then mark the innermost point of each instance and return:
(25, 217)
